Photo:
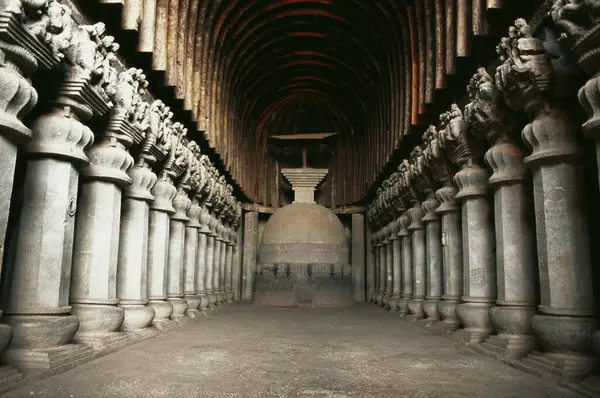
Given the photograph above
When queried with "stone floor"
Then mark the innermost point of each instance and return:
(244, 351)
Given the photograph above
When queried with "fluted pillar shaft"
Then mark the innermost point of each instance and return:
(407, 265)
(96, 248)
(158, 249)
(215, 268)
(132, 264)
(201, 269)
(38, 299)
(191, 251)
(389, 288)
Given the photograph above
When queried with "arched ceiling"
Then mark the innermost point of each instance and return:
(247, 69)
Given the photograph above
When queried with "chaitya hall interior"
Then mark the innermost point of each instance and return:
(299, 198)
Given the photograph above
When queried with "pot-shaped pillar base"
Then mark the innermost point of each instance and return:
(430, 309)
(403, 306)
(393, 303)
(98, 325)
(415, 306)
(513, 326)
(179, 307)
(476, 320)
(193, 303)
(212, 300)
(137, 317)
(162, 311)
(447, 310)
(566, 343)
(42, 342)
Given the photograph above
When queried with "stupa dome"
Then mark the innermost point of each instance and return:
(304, 233)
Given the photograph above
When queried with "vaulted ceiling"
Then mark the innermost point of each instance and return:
(368, 70)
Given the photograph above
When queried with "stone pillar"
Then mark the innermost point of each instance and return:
(132, 264)
(216, 265)
(229, 295)
(250, 253)
(96, 248)
(18, 98)
(565, 325)
(517, 290)
(237, 262)
(37, 300)
(433, 239)
(371, 271)
(201, 265)
(419, 262)
(210, 257)
(452, 256)
(382, 263)
(389, 265)
(579, 32)
(222, 264)
(442, 171)
(407, 265)
(191, 251)
(375, 249)
(37, 304)
(175, 281)
(358, 256)
(396, 265)
(479, 266)
(158, 249)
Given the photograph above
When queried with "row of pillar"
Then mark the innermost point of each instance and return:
(469, 233)
(122, 225)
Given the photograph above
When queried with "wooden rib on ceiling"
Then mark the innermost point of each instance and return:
(372, 66)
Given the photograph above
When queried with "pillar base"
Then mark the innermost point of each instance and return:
(98, 319)
(403, 306)
(142, 334)
(162, 310)
(430, 309)
(513, 325)
(567, 342)
(379, 298)
(179, 307)
(230, 297)
(212, 300)
(415, 306)
(384, 300)
(475, 316)
(393, 303)
(137, 317)
(32, 332)
(102, 341)
(193, 302)
(447, 310)
(5, 336)
(506, 346)
(57, 359)
(9, 378)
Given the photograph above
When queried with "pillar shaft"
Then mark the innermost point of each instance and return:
(175, 268)
(37, 302)
(452, 264)
(419, 262)
(407, 265)
(210, 252)
(158, 249)
(250, 253)
(191, 250)
(201, 270)
(132, 264)
(358, 256)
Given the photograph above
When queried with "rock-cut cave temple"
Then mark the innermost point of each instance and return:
(166, 161)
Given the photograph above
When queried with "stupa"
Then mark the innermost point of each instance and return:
(304, 256)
